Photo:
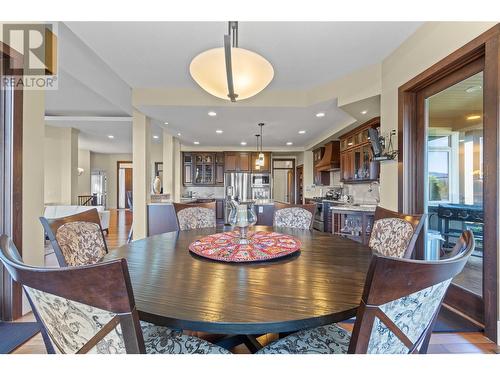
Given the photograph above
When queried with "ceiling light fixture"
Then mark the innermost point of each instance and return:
(257, 163)
(111, 136)
(196, 142)
(166, 123)
(231, 72)
(243, 143)
(219, 131)
(364, 112)
(260, 161)
(178, 134)
(212, 114)
(320, 114)
(473, 117)
(289, 143)
(155, 137)
(302, 132)
(473, 89)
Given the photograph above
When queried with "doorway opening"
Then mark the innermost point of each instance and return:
(284, 180)
(125, 184)
(448, 166)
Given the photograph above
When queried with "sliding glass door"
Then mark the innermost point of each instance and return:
(453, 182)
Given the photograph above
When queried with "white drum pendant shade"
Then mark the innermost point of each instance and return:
(251, 72)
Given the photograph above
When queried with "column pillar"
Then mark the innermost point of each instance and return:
(141, 139)
(177, 170)
(168, 164)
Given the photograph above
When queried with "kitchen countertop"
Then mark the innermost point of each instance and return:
(353, 207)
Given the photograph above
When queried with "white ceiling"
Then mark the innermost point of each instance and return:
(157, 55)
(240, 123)
(304, 54)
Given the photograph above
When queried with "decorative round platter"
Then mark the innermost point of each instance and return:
(262, 246)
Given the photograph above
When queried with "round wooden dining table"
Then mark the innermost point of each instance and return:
(321, 284)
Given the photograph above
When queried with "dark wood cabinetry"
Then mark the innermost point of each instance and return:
(356, 154)
(265, 214)
(325, 159)
(202, 168)
(266, 168)
(237, 162)
(219, 209)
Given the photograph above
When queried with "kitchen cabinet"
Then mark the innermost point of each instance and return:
(202, 168)
(219, 209)
(219, 169)
(187, 170)
(325, 159)
(327, 217)
(352, 224)
(265, 214)
(356, 154)
(267, 163)
(237, 162)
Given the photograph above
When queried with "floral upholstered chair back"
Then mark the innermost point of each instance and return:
(196, 217)
(80, 309)
(394, 236)
(292, 217)
(78, 239)
(73, 327)
(401, 301)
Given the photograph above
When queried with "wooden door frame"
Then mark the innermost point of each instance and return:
(11, 291)
(411, 144)
(118, 180)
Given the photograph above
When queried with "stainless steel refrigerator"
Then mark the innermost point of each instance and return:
(237, 186)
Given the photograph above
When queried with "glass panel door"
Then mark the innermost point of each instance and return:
(454, 175)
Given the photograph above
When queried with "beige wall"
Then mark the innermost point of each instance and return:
(108, 163)
(61, 165)
(141, 143)
(84, 178)
(429, 44)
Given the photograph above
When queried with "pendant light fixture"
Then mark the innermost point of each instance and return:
(257, 164)
(231, 72)
(261, 159)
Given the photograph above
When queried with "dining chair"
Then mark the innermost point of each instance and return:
(195, 215)
(399, 306)
(77, 239)
(130, 201)
(91, 309)
(298, 216)
(394, 234)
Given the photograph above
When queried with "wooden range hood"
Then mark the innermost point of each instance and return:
(331, 157)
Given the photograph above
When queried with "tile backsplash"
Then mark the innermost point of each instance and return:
(362, 193)
(204, 191)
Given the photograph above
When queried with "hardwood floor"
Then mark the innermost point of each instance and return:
(447, 343)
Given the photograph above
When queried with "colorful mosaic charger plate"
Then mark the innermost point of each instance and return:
(262, 246)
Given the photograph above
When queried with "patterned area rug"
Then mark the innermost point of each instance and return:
(262, 246)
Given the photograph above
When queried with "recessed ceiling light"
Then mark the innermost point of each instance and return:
(111, 136)
(473, 89)
(196, 142)
(212, 114)
(166, 123)
(243, 143)
(289, 143)
(320, 114)
(219, 131)
(302, 132)
(178, 134)
(155, 137)
(473, 117)
(364, 112)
